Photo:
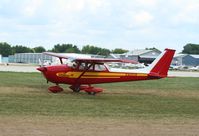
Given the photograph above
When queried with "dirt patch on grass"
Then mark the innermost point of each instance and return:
(47, 126)
(20, 90)
(35, 91)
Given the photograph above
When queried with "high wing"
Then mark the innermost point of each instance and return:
(82, 58)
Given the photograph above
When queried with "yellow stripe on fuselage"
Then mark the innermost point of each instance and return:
(141, 74)
(97, 74)
(104, 74)
(99, 77)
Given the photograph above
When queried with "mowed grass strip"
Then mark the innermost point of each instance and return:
(26, 94)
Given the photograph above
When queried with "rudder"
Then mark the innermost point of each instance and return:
(161, 65)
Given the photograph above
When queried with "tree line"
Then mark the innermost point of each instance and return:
(6, 49)
(191, 48)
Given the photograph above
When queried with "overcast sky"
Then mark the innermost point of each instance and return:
(128, 24)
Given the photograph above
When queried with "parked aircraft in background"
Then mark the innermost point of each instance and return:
(196, 68)
(83, 72)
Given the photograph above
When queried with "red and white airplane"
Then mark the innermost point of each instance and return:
(82, 72)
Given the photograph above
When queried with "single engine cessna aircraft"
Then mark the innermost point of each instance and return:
(81, 73)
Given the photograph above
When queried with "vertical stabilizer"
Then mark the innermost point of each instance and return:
(161, 64)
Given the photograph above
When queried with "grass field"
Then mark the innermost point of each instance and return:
(25, 96)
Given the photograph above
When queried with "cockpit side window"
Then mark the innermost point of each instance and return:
(95, 67)
(71, 64)
(84, 66)
(100, 67)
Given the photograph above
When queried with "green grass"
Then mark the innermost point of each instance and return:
(26, 94)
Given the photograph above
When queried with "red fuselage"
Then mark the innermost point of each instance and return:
(80, 73)
(62, 74)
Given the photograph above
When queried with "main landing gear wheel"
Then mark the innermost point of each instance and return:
(87, 88)
(91, 93)
(75, 89)
(55, 89)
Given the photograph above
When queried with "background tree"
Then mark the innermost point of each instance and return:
(73, 49)
(66, 48)
(39, 49)
(104, 52)
(21, 49)
(89, 49)
(5, 49)
(119, 51)
(191, 48)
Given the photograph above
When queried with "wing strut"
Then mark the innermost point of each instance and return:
(77, 80)
(76, 86)
(61, 60)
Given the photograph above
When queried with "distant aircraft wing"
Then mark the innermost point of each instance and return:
(91, 60)
(56, 55)
(104, 60)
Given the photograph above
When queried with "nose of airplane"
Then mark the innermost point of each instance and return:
(42, 69)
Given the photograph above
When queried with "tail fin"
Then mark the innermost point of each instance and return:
(161, 64)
